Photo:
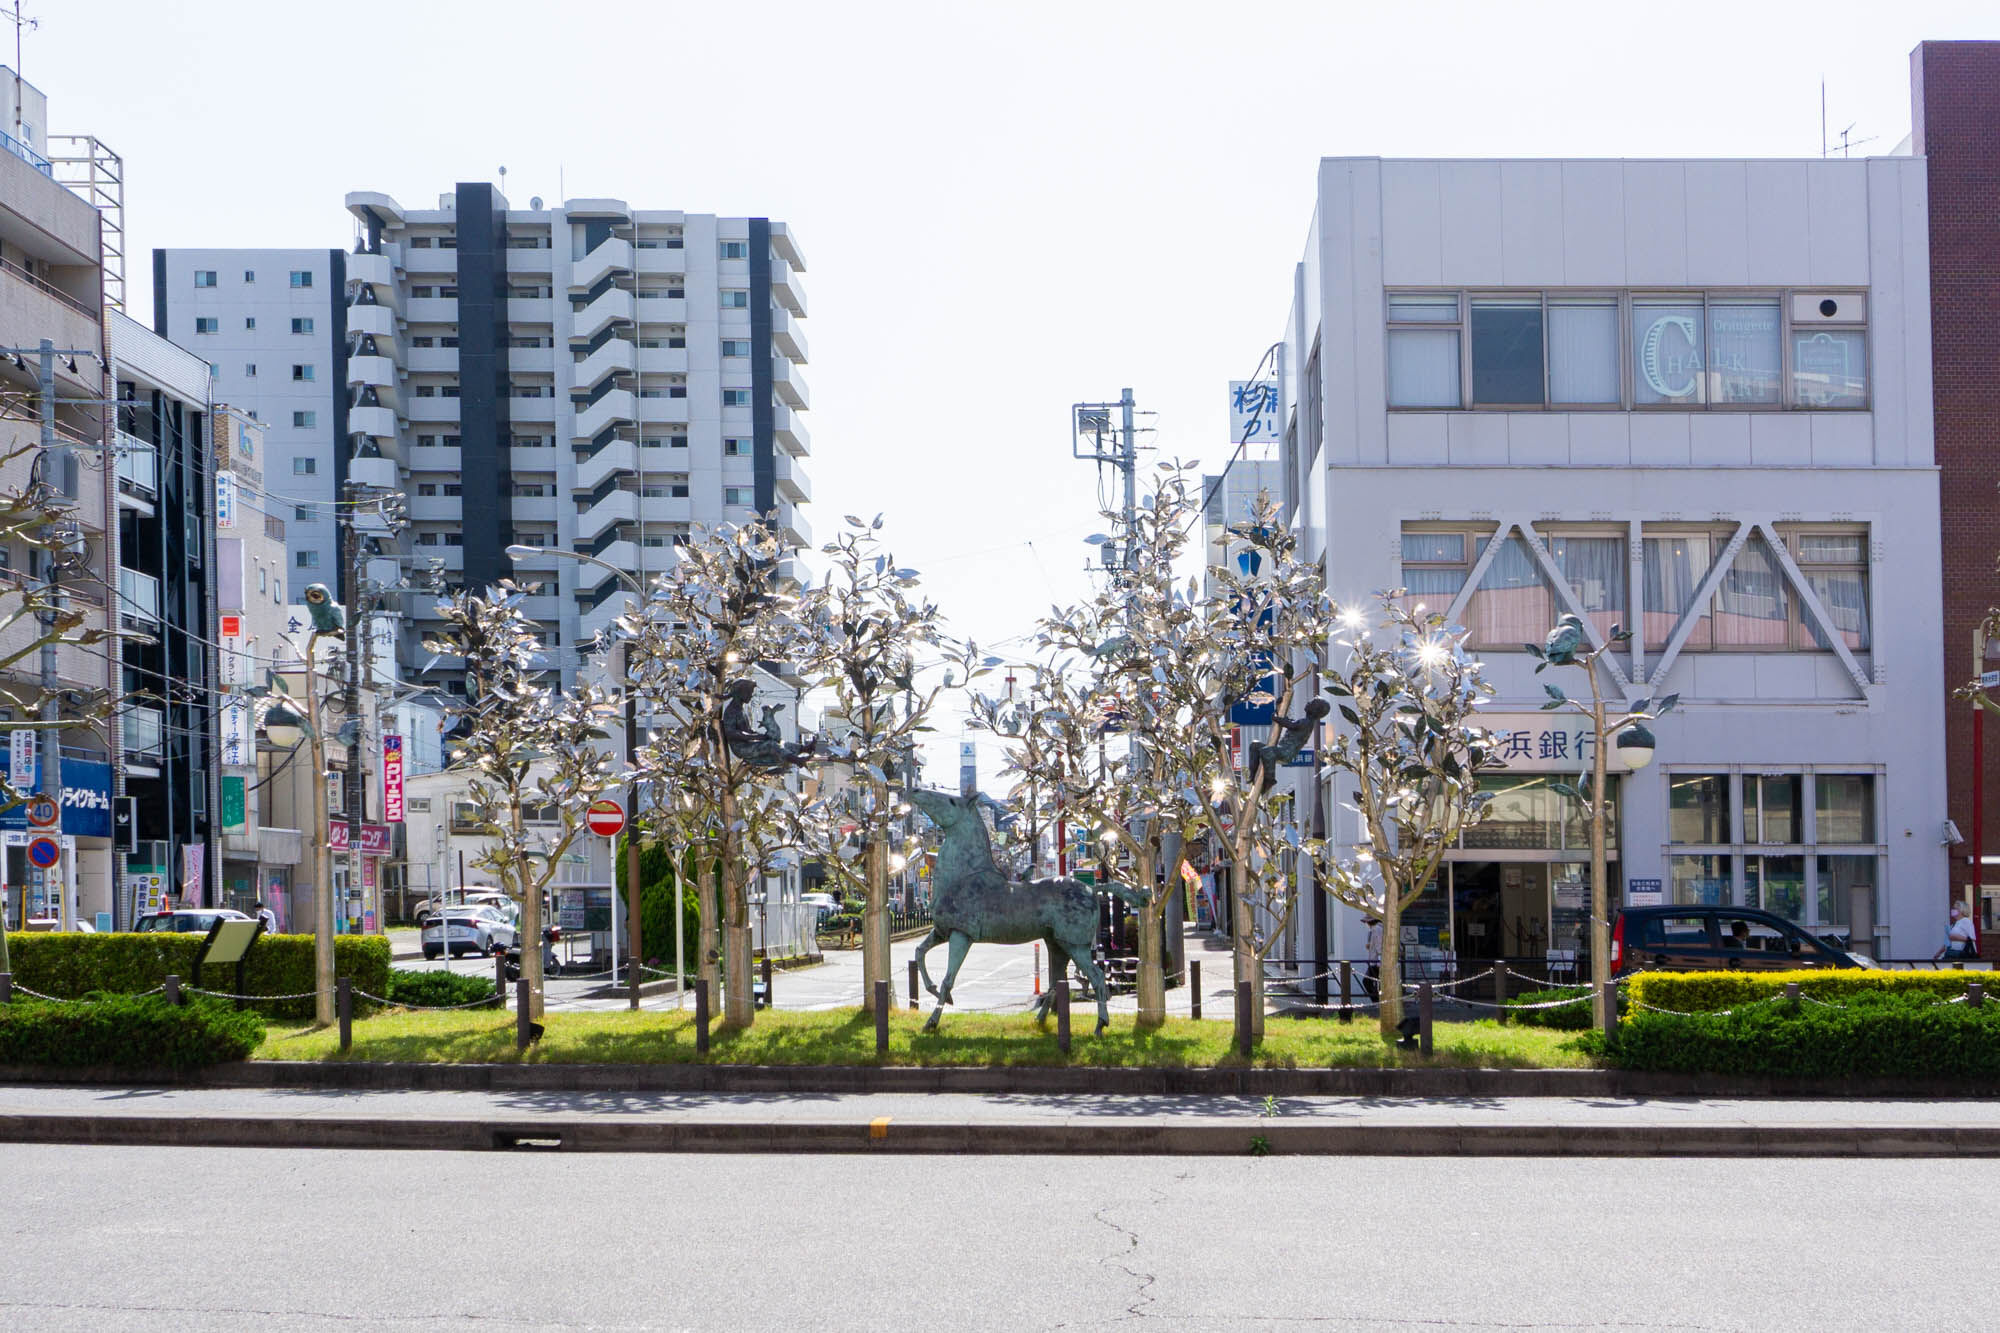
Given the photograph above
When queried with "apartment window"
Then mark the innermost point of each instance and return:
(447, 242)
(735, 250)
(448, 340)
(249, 322)
(306, 420)
(736, 495)
(250, 370)
(448, 293)
(677, 340)
(736, 300)
(678, 490)
(736, 447)
(453, 488)
(531, 490)
(302, 514)
(678, 441)
(249, 275)
(302, 372)
(532, 538)
(302, 324)
(674, 242)
(205, 324)
(652, 442)
(454, 539)
(654, 492)
(420, 242)
(427, 441)
(448, 391)
(1507, 351)
(427, 539)
(422, 293)
(427, 488)
(421, 340)
(1423, 351)
(654, 541)
(302, 277)
(736, 347)
(449, 441)
(307, 560)
(204, 277)
(736, 398)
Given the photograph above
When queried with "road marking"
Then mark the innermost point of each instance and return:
(878, 1128)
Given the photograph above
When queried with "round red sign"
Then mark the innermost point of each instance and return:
(43, 812)
(605, 817)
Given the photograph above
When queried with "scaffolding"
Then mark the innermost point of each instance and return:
(97, 175)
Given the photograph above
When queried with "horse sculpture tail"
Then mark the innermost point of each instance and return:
(1132, 894)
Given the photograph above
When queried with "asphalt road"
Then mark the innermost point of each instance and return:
(200, 1239)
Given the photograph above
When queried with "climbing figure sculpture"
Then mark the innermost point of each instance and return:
(974, 902)
(1288, 738)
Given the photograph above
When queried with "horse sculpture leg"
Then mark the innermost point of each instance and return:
(1088, 967)
(960, 944)
(1058, 971)
(938, 935)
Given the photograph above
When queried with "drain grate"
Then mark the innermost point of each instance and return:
(529, 1142)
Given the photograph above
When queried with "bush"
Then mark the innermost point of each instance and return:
(436, 989)
(74, 965)
(1881, 1034)
(1691, 992)
(1569, 1018)
(127, 1031)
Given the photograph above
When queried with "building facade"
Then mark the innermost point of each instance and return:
(1692, 398)
(590, 377)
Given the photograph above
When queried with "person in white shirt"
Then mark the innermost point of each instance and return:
(1372, 978)
(268, 917)
(1962, 940)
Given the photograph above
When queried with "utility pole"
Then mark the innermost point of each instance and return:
(354, 788)
(57, 477)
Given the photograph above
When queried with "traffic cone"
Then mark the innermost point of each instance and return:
(1038, 969)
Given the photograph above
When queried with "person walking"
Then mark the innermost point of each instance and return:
(267, 916)
(1371, 980)
(1961, 940)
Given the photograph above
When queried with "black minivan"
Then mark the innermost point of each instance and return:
(1717, 939)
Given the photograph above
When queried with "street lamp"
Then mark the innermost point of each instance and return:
(632, 584)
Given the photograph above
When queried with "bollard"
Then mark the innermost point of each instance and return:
(500, 981)
(1610, 1009)
(524, 1004)
(1975, 994)
(632, 981)
(913, 984)
(1038, 969)
(172, 986)
(1060, 988)
(1243, 1033)
(1425, 1010)
(1194, 988)
(767, 985)
(882, 1017)
(1346, 991)
(701, 1015)
(343, 1005)
(1792, 996)
(1500, 988)
(6, 987)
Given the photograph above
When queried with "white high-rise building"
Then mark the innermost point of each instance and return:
(590, 377)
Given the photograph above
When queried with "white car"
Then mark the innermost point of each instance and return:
(470, 930)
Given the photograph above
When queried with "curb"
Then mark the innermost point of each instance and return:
(1145, 1138)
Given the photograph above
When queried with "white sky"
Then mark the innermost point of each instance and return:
(1005, 208)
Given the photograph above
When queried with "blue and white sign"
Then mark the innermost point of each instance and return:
(86, 799)
(21, 759)
(1553, 742)
(1253, 412)
(225, 499)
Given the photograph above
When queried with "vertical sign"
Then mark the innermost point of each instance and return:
(1253, 411)
(968, 768)
(225, 499)
(193, 860)
(21, 760)
(238, 744)
(392, 779)
(235, 803)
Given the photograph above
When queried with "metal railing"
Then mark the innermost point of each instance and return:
(27, 154)
(138, 596)
(138, 467)
(143, 731)
(13, 269)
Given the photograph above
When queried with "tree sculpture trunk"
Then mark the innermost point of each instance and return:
(1249, 967)
(530, 937)
(1600, 895)
(875, 921)
(1152, 966)
(1389, 967)
(709, 937)
(739, 1003)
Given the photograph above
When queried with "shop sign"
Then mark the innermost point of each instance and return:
(1670, 356)
(375, 838)
(86, 799)
(21, 759)
(1645, 893)
(1253, 411)
(235, 812)
(392, 779)
(238, 738)
(1545, 743)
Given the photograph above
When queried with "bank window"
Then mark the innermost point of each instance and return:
(1745, 356)
(1435, 566)
(1835, 566)
(1424, 341)
(1507, 351)
(1698, 808)
(1595, 567)
(1844, 807)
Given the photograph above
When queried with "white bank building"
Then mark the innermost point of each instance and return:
(1692, 398)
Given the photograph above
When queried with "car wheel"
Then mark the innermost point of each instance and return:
(430, 952)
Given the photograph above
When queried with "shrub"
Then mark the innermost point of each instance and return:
(1573, 1017)
(1691, 992)
(128, 1031)
(434, 989)
(74, 965)
(1881, 1034)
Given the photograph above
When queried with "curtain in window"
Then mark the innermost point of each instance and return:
(1674, 567)
(1513, 604)
(1434, 568)
(1583, 353)
(1595, 568)
(1844, 594)
(1423, 368)
(1750, 606)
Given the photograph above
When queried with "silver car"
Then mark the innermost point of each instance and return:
(478, 930)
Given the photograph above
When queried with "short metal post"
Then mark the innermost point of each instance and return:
(882, 1016)
(913, 983)
(1426, 1007)
(172, 986)
(500, 981)
(1975, 994)
(1500, 987)
(767, 983)
(524, 1004)
(631, 982)
(1061, 992)
(1346, 991)
(343, 1005)
(1243, 1033)
(701, 1015)
(1194, 988)
(1610, 1009)
(6, 987)
(1792, 996)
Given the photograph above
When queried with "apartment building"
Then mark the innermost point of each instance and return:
(1691, 398)
(590, 377)
(52, 292)
(269, 324)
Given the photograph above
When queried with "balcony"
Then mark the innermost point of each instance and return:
(380, 473)
(531, 360)
(138, 472)
(793, 528)
(376, 372)
(663, 361)
(531, 310)
(617, 507)
(536, 261)
(612, 255)
(784, 247)
(789, 432)
(793, 482)
(376, 320)
(432, 360)
(138, 600)
(789, 383)
(613, 306)
(785, 289)
(436, 508)
(618, 354)
(594, 620)
(613, 407)
(430, 411)
(431, 310)
(429, 262)
(533, 508)
(143, 733)
(788, 334)
(618, 456)
(377, 271)
(532, 410)
(378, 423)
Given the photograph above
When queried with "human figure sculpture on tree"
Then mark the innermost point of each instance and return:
(762, 747)
(1288, 738)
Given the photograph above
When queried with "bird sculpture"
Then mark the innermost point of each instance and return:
(1559, 649)
(325, 612)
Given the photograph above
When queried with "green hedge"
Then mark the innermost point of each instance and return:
(410, 987)
(129, 1031)
(1882, 1035)
(1569, 1018)
(73, 965)
(1691, 992)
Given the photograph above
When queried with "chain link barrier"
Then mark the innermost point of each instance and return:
(84, 999)
(483, 1003)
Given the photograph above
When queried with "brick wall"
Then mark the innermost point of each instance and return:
(1955, 115)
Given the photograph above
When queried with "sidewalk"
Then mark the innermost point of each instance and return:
(997, 1123)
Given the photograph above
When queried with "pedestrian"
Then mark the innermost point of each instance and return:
(267, 916)
(1962, 939)
(1371, 980)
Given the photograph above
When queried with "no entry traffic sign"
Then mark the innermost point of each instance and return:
(43, 853)
(605, 817)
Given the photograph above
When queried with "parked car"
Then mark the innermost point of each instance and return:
(193, 920)
(1718, 939)
(470, 930)
(825, 902)
(472, 895)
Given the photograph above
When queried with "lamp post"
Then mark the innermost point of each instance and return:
(634, 956)
(287, 730)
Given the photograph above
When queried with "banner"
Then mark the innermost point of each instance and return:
(375, 838)
(194, 857)
(392, 779)
(235, 814)
(21, 760)
(1253, 411)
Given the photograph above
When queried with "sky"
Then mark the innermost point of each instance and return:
(1004, 208)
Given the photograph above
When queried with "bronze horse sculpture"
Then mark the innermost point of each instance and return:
(973, 902)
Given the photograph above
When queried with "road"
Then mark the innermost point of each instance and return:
(216, 1239)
